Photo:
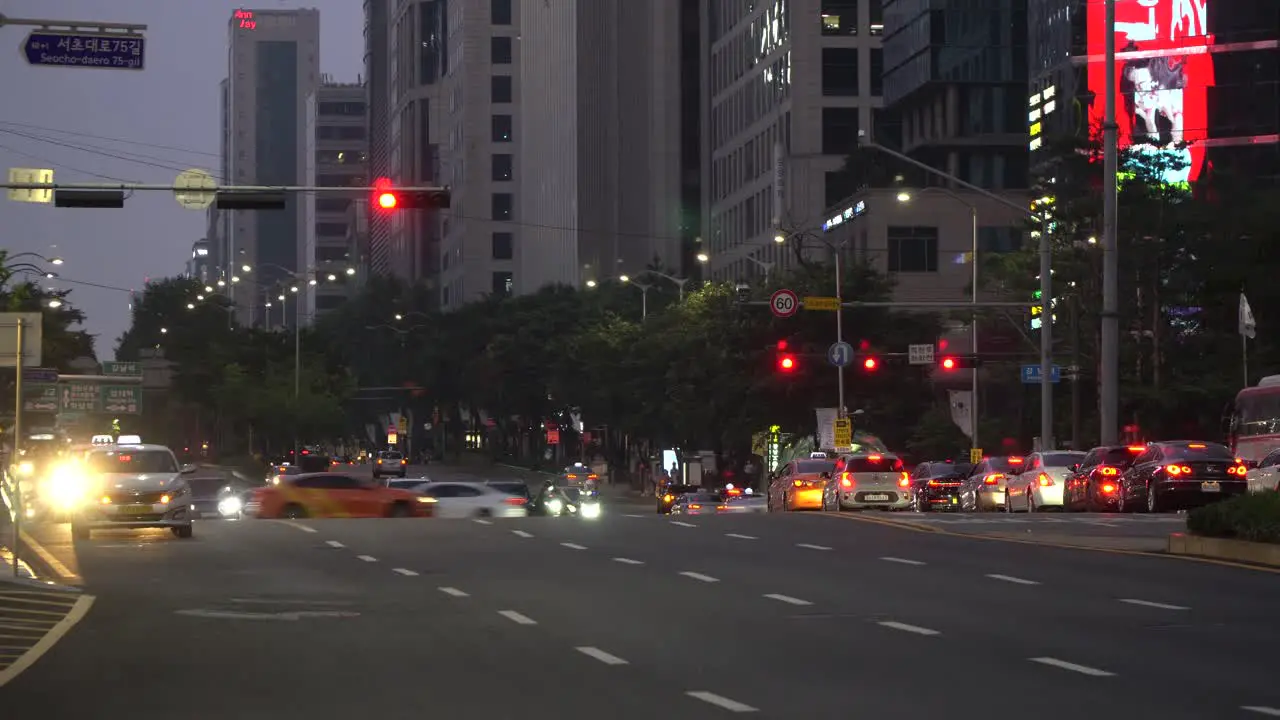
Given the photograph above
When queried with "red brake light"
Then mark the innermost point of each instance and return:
(991, 479)
(874, 458)
(904, 480)
(1196, 446)
(1237, 470)
(1108, 488)
(695, 506)
(845, 480)
(1109, 471)
(593, 476)
(934, 483)
(1136, 448)
(125, 458)
(1176, 470)
(1015, 461)
(1044, 480)
(515, 501)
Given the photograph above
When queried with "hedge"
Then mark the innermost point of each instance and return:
(1255, 518)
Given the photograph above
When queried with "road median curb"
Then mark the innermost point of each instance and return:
(1240, 551)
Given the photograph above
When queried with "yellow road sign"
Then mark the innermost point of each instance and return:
(31, 176)
(843, 433)
(403, 425)
(975, 455)
(821, 303)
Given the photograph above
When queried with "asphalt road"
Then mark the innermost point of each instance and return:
(643, 616)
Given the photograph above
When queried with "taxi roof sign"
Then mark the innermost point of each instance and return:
(102, 440)
(130, 440)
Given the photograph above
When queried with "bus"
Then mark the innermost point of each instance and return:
(1254, 429)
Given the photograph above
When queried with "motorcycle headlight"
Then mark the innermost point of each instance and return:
(591, 510)
(230, 506)
(555, 506)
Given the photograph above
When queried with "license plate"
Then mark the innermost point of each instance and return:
(135, 509)
(1210, 487)
(876, 498)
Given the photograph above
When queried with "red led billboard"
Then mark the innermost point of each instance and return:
(1163, 72)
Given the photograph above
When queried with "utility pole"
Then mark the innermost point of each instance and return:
(15, 462)
(1109, 372)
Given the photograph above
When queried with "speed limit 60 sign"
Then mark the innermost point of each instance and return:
(784, 303)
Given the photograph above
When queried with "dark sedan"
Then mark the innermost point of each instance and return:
(1094, 484)
(936, 485)
(1179, 475)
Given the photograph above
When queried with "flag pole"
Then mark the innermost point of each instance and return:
(1244, 356)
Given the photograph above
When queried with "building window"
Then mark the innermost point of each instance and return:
(877, 19)
(502, 168)
(503, 283)
(500, 89)
(503, 128)
(500, 12)
(503, 206)
(503, 246)
(840, 17)
(346, 109)
(877, 71)
(839, 130)
(329, 229)
(500, 50)
(913, 249)
(840, 71)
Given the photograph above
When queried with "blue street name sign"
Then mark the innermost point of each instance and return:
(39, 375)
(840, 354)
(114, 51)
(1031, 374)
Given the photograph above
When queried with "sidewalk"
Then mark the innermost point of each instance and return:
(6, 567)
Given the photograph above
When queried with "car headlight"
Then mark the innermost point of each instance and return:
(230, 506)
(555, 506)
(65, 488)
(26, 468)
(591, 510)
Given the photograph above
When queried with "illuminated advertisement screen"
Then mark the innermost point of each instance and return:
(1163, 73)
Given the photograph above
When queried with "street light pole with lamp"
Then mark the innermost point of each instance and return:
(905, 197)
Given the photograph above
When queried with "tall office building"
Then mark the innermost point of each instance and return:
(597, 143)
(198, 266)
(273, 72)
(789, 85)
(340, 152)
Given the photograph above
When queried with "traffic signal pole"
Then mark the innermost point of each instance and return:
(840, 411)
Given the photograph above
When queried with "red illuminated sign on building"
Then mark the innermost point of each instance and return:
(247, 21)
(1163, 72)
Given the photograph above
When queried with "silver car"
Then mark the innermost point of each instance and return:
(134, 486)
(868, 480)
(740, 504)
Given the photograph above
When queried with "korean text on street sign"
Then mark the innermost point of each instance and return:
(975, 455)
(843, 433)
(122, 399)
(80, 397)
(121, 369)
(40, 397)
(784, 303)
(821, 303)
(31, 176)
(1031, 374)
(553, 437)
(114, 51)
(920, 354)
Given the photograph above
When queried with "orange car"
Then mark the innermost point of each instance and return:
(799, 484)
(335, 495)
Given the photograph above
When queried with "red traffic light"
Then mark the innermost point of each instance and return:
(387, 200)
(949, 363)
(782, 345)
(870, 363)
(787, 363)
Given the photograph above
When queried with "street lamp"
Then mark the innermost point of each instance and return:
(644, 294)
(51, 260)
(55, 303)
(680, 282)
(904, 197)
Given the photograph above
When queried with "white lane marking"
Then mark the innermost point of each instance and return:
(700, 576)
(633, 515)
(602, 656)
(807, 546)
(908, 628)
(334, 544)
(682, 524)
(628, 561)
(46, 643)
(720, 701)
(1261, 710)
(573, 546)
(482, 522)
(1012, 579)
(1063, 664)
(367, 558)
(300, 526)
(453, 591)
(741, 537)
(521, 533)
(517, 618)
(1148, 603)
(405, 572)
(901, 561)
(788, 599)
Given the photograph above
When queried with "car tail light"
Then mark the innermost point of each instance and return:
(1176, 470)
(874, 458)
(515, 501)
(593, 476)
(845, 480)
(1239, 470)
(934, 483)
(1015, 461)
(668, 498)
(904, 480)
(404, 462)
(1044, 480)
(695, 506)
(1109, 471)
(992, 479)
(572, 477)
(1196, 446)
(722, 507)
(1108, 488)
(1135, 449)
(379, 461)
(799, 483)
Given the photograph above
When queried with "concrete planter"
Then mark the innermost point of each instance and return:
(1223, 549)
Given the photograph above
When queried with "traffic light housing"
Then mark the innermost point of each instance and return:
(786, 361)
(389, 198)
(951, 363)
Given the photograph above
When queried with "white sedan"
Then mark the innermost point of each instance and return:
(1040, 485)
(472, 500)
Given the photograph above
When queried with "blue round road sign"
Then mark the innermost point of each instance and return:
(840, 354)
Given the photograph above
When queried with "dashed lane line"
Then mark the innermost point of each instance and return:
(738, 536)
(482, 521)
(1073, 667)
(1012, 579)
(902, 561)
(788, 599)
(683, 524)
(628, 561)
(721, 701)
(299, 526)
(517, 618)
(808, 546)
(367, 558)
(1150, 604)
(573, 546)
(700, 577)
(405, 572)
(453, 592)
(522, 533)
(1261, 710)
(334, 544)
(916, 629)
(604, 657)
